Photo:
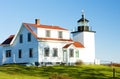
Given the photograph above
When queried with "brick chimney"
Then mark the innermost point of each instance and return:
(37, 21)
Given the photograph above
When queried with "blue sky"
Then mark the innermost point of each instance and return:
(104, 17)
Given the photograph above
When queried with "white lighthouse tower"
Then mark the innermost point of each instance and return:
(85, 36)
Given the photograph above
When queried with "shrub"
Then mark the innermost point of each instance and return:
(58, 76)
(79, 62)
(62, 64)
(115, 64)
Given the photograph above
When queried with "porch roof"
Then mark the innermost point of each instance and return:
(76, 44)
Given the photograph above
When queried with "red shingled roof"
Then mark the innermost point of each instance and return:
(8, 40)
(45, 26)
(67, 45)
(76, 44)
(28, 26)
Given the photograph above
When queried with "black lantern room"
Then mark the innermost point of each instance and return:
(83, 23)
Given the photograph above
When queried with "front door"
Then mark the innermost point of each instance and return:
(64, 56)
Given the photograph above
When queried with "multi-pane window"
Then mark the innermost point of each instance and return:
(60, 34)
(77, 53)
(46, 52)
(19, 53)
(21, 38)
(47, 33)
(55, 52)
(30, 52)
(71, 52)
(8, 53)
(29, 37)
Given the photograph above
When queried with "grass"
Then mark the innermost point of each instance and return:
(74, 72)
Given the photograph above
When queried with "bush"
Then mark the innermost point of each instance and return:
(79, 62)
(62, 64)
(115, 64)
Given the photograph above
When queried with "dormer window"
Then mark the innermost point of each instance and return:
(60, 34)
(47, 33)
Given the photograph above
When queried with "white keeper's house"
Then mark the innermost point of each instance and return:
(45, 44)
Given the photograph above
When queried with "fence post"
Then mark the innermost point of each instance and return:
(113, 73)
(111, 64)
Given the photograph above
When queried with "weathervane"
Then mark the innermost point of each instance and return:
(83, 14)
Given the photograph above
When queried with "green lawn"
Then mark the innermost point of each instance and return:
(74, 72)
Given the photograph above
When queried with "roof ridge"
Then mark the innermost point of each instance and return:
(46, 26)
